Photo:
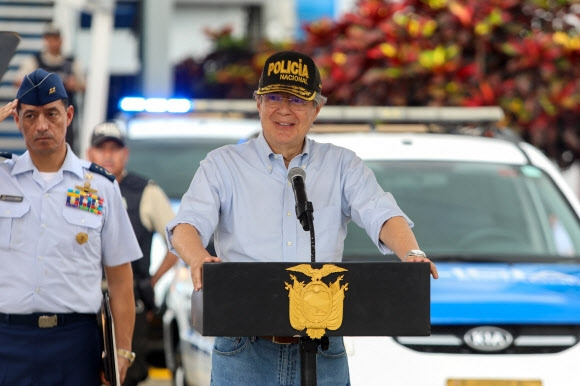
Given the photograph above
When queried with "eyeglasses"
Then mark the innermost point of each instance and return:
(295, 103)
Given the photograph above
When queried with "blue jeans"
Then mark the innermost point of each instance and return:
(256, 361)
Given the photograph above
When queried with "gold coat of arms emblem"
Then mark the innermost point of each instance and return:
(316, 306)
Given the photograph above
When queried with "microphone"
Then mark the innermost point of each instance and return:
(296, 176)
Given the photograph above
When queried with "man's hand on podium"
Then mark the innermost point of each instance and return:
(422, 259)
(189, 246)
(197, 270)
(397, 235)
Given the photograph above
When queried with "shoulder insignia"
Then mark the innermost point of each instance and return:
(5, 154)
(102, 171)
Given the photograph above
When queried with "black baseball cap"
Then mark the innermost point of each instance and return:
(290, 72)
(107, 131)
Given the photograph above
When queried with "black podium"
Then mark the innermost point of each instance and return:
(254, 299)
(8, 44)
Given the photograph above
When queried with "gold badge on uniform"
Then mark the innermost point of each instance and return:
(85, 198)
(82, 238)
(87, 185)
(316, 306)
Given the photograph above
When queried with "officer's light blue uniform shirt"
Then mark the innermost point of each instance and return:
(241, 192)
(43, 267)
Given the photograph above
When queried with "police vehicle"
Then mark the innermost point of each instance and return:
(494, 214)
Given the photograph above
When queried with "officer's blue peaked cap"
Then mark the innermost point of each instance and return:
(40, 88)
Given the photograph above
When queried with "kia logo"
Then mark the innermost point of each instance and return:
(488, 338)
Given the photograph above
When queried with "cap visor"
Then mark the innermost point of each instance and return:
(296, 91)
(100, 141)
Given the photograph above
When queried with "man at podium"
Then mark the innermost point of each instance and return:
(245, 196)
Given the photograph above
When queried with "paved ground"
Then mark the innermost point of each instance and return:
(158, 375)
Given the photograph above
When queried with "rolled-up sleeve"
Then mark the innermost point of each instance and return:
(367, 203)
(199, 205)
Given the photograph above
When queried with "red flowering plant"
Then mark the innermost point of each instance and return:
(521, 55)
(230, 70)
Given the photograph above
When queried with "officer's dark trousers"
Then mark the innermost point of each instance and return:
(67, 355)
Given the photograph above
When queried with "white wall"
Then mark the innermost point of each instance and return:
(186, 32)
(343, 6)
(124, 52)
(188, 24)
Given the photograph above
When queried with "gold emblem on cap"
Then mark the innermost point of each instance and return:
(82, 238)
(288, 67)
(316, 306)
(52, 90)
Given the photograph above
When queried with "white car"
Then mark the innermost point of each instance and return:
(504, 230)
(502, 226)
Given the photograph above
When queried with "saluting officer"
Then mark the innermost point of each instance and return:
(61, 220)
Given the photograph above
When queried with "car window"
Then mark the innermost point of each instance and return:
(475, 209)
(169, 151)
(172, 162)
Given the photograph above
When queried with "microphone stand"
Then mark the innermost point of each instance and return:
(308, 225)
(309, 346)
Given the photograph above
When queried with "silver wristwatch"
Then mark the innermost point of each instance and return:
(414, 252)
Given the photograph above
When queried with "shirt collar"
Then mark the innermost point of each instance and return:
(71, 164)
(266, 154)
(263, 148)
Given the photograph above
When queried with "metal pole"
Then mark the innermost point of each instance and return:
(157, 69)
(97, 90)
(308, 350)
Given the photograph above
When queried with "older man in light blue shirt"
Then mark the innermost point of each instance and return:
(241, 195)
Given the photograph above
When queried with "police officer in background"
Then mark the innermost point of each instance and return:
(52, 59)
(149, 210)
(61, 220)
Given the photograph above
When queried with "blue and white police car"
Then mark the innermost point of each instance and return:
(504, 230)
(495, 215)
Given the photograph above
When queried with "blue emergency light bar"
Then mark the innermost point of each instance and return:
(154, 105)
(353, 114)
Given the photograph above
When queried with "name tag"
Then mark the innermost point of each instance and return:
(6, 197)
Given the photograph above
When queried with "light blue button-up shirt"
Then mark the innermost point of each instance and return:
(43, 266)
(242, 195)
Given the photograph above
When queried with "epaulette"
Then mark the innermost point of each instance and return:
(5, 154)
(102, 171)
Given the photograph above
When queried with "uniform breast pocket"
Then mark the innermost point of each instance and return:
(85, 229)
(9, 213)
